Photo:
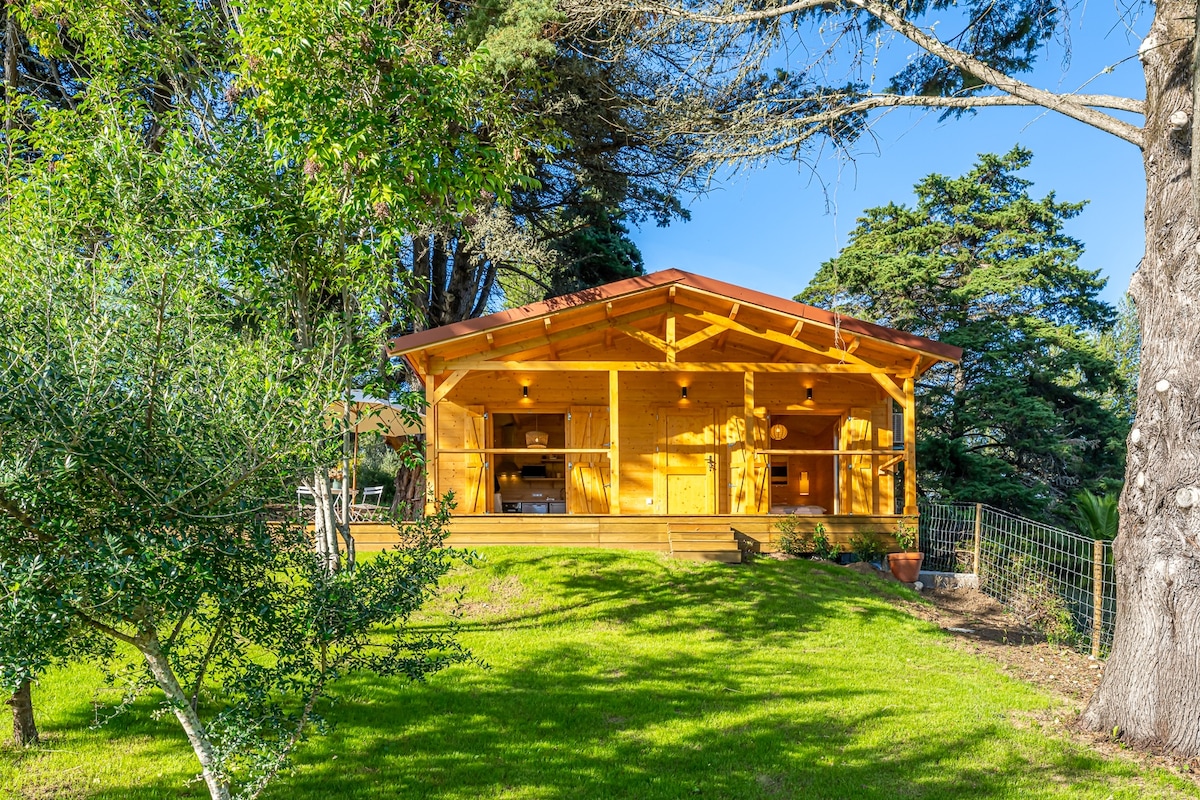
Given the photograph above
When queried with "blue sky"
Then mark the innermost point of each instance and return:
(770, 228)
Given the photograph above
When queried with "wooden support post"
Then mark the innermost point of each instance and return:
(670, 333)
(614, 445)
(1097, 595)
(748, 445)
(978, 541)
(431, 444)
(910, 448)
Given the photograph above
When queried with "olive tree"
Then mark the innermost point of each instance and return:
(151, 405)
(194, 237)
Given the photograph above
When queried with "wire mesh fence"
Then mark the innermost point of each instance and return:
(1056, 580)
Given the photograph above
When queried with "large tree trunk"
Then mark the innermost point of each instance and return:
(1150, 692)
(409, 498)
(25, 731)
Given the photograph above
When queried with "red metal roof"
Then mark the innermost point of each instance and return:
(655, 280)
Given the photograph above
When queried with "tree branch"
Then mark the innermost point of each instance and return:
(730, 19)
(1074, 106)
(109, 631)
(998, 79)
(811, 125)
(208, 653)
(24, 520)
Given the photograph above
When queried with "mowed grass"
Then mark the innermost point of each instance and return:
(629, 675)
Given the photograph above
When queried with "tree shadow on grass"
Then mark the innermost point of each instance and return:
(546, 731)
(648, 678)
(657, 596)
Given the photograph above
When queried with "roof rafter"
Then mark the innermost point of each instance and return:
(780, 338)
(549, 339)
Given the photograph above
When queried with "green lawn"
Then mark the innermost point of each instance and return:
(628, 675)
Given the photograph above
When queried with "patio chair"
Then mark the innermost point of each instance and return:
(370, 505)
(306, 502)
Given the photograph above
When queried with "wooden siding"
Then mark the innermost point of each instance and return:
(742, 472)
(644, 532)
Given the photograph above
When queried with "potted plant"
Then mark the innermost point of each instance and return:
(906, 565)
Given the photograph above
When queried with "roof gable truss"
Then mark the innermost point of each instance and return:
(668, 323)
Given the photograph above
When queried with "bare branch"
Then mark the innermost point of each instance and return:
(1082, 108)
(1005, 83)
(813, 124)
(730, 19)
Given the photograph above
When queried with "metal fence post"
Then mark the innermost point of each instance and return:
(978, 542)
(1097, 594)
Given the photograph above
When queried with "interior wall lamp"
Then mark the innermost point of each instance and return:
(525, 392)
(808, 393)
(683, 392)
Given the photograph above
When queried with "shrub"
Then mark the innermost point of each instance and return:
(866, 546)
(790, 540)
(906, 535)
(1039, 606)
(822, 547)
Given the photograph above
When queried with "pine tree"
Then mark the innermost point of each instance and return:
(978, 262)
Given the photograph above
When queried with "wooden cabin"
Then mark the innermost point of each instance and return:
(669, 411)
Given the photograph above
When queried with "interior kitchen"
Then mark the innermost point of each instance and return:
(531, 482)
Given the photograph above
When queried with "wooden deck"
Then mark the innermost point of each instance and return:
(697, 537)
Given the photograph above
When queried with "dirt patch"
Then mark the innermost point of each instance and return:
(980, 625)
(504, 595)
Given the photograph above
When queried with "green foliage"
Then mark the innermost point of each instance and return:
(906, 534)
(866, 547)
(822, 547)
(790, 540)
(1123, 345)
(1021, 424)
(594, 249)
(511, 34)
(391, 119)
(178, 306)
(1036, 602)
(1097, 517)
(793, 540)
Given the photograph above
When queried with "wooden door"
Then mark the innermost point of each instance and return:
(857, 480)
(587, 489)
(687, 462)
(465, 474)
(749, 472)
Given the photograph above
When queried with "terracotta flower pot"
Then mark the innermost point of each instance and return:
(905, 566)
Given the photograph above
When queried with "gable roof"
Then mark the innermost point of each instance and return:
(790, 311)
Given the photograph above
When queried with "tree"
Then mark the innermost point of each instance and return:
(565, 229)
(148, 411)
(1122, 346)
(185, 286)
(979, 263)
(720, 90)
(1097, 517)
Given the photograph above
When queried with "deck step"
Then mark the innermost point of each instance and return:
(700, 547)
(693, 536)
(700, 540)
(699, 527)
(734, 557)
